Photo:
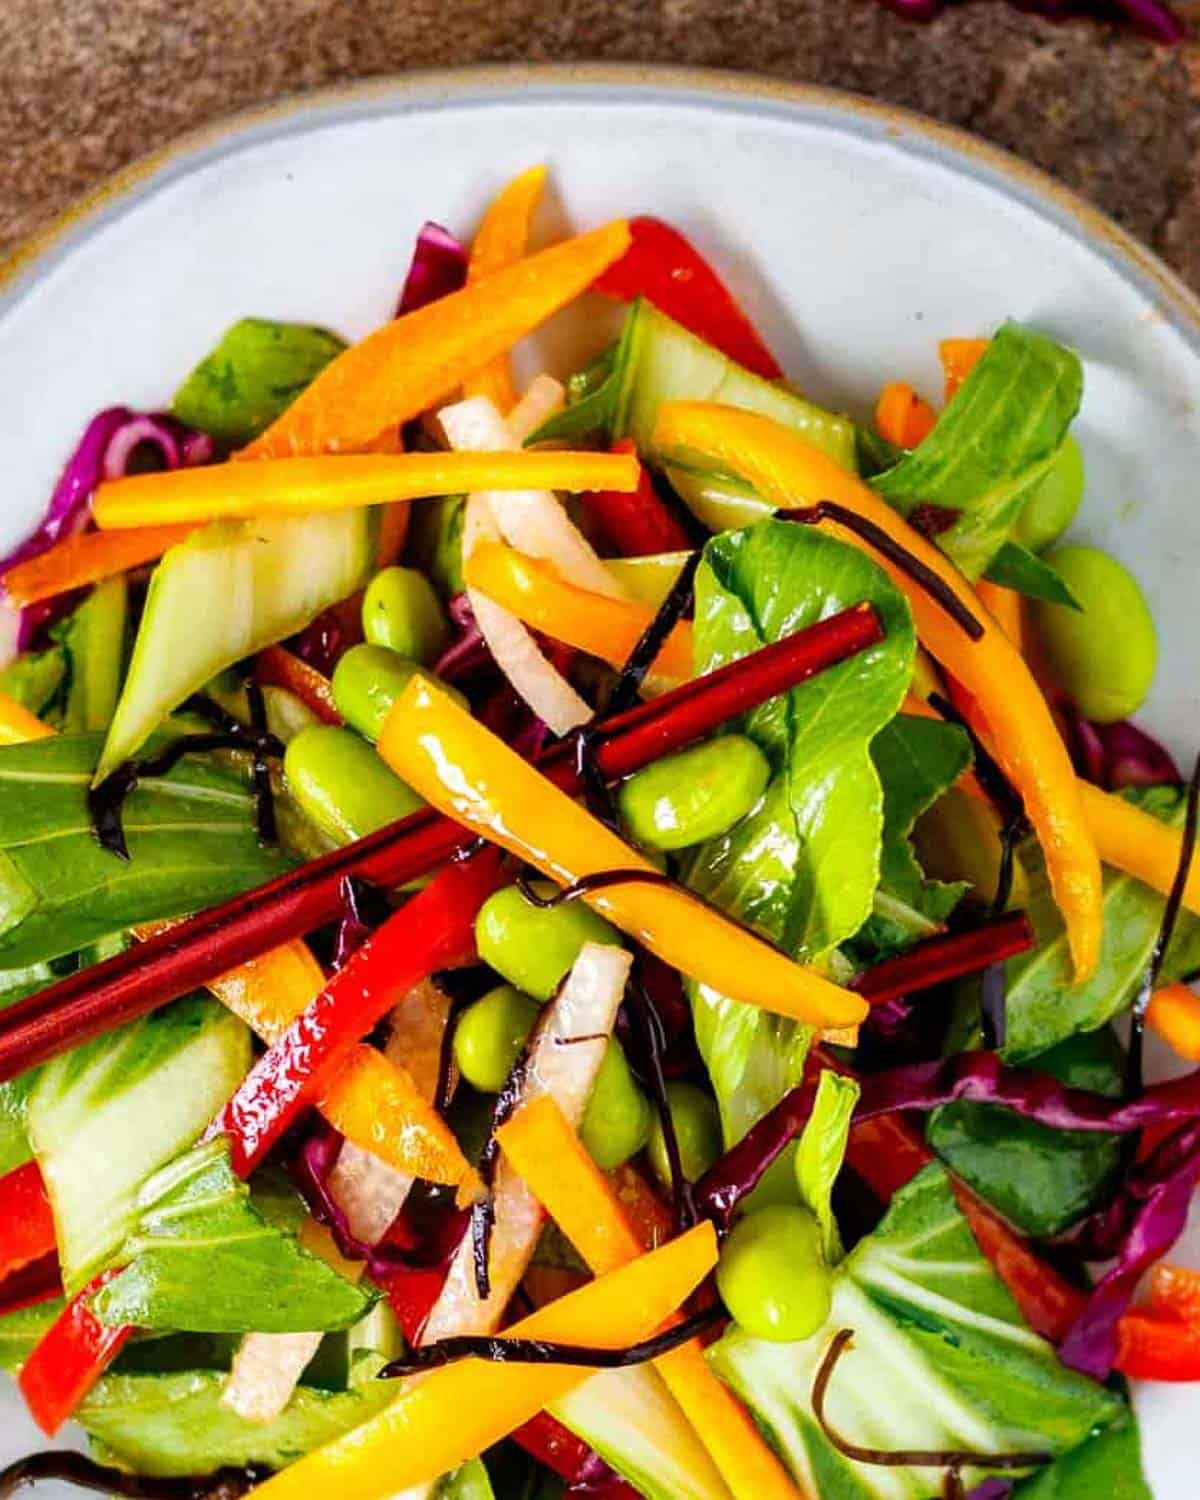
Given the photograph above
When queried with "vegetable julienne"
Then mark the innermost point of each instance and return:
(769, 886)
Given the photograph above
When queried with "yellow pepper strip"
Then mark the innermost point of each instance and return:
(1006, 608)
(537, 593)
(17, 725)
(788, 471)
(293, 486)
(544, 1150)
(419, 360)
(1174, 1012)
(502, 239)
(1131, 840)
(451, 1414)
(270, 991)
(466, 772)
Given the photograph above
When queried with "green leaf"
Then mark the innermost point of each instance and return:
(471, 1482)
(435, 541)
(22, 1330)
(941, 1359)
(1041, 1180)
(191, 836)
(1044, 1004)
(991, 445)
(803, 865)
(821, 1152)
(202, 1258)
(1108, 1465)
(1015, 567)
(255, 372)
(94, 640)
(35, 678)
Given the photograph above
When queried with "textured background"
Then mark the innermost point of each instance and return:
(86, 85)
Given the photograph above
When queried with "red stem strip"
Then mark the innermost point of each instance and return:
(950, 955)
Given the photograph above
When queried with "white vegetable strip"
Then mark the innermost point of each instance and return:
(265, 1372)
(368, 1191)
(586, 1006)
(544, 399)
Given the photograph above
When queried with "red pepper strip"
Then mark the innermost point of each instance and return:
(70, 1359)
(1175, 1293)
(189, 954)
(637, 525)
(435, 930)
(26, 1220)
(668, 270)
(34, 1283)
(1154, 1348)
(279, 667)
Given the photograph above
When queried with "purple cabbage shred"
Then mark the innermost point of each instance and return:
(467, 653)
(439, 266)
(1119, 755)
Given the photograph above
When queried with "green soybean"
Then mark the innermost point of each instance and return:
(401, 610)
(342, 785)
(695, 794)
(490, 1034)
(1051, 507)
(697, 1129)
(368, 680)
(772, 1276)
(533, 947)
(616, 1123)
(1103, 657)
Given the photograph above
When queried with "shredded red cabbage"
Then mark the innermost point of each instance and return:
(1119, 755)
(439, 266)
(1153, 18)
(469, 652)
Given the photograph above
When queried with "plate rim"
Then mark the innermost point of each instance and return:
(425, 90)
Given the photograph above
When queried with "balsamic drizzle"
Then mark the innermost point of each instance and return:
(598, 880)
(953, 1460)
(501, 1350)
(86, 1474)
(654, 1046)
(1187, 851)
(875, 536)
(268, 831)
(673, 608)
(483, 1210)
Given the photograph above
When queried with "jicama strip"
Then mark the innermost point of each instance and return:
(541, 401)
(472, 776)
(85, 558)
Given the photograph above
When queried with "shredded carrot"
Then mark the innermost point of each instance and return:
(539, 596)
(88, 558)
(1174, 1012)
(17, 725)
(1006, 607)
(501, 240)
(959, 357)
(393, 533)
(902, 417)
(547, 1153)
(422, 358)
(1134, 841)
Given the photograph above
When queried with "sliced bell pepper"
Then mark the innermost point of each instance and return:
(70, 1358)
(1131, 840)
(1019, 729)
(1156, 1348)
(1174, 1012)
(1006, 608)
(903, 417)
(17, 725)
(292, 486)
(637, 525)
(279, 667)
(501, 240)
(545, 1438)
(545, 1151)
(88, 557)
(667, 269)
(26, 1219)
(1175, 1292)
(453, 1413)
(435, 930)
(959, 357)
(420, 359)
(537, 593)
(469, 774)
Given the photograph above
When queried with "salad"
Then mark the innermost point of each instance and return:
(593, 938)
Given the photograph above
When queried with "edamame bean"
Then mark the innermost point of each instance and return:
(1103, 657)
(342, 785)
(695, 794)
(697, 1129)
(490, 1034)
(1051, 507)
(368, 680)
(533, 947)
(401, 610)
(772, 1276)
(616, 1122)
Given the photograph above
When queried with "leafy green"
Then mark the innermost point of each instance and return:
(803, 865)
(20, 1331)
(941, 1359)
(191, 837)
(435, 541)
(1044, 1004)
(35, 678)
(821, 1152)
(991, 445)
(1015, 567)
(254, 373)
(1108, 1465)
(471, 1482)
(106, 1115)
(202, 1258)
(94, 640)
(1041, 1180)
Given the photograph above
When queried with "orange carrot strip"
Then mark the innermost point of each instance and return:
(88, 558)
(1131, 840)
(501, 240)
(902, 417)
(422, 358)
(959, 357)
(17, 725)
(291, 486)
(1005, 607)
(545, 1151)
(1174, 1012)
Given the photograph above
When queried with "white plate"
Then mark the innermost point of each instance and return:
(855, 235)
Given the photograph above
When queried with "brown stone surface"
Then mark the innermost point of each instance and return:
(87, 85)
